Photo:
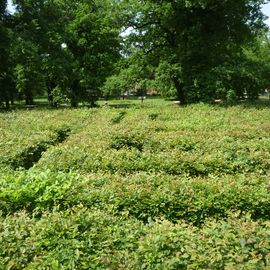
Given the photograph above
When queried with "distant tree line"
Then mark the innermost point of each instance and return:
(79, 51)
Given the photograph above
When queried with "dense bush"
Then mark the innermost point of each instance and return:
(157, 188)
(231, 244)
(212, 141)
(24, 138)
(144, 196)
(83, 239)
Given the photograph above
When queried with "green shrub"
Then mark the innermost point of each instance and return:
(144, 196)
(73, 239)
(34, 190)
(62, 133)
(153, 116)
(151, 187)
(127, 141)
(83, 239)
(231, 244)
(31, 155)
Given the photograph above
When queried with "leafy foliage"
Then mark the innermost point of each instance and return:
(194, 39)
(153, 186)
(144, 188)
(78, 52)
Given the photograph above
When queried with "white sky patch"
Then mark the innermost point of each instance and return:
(10, 7)
(266, 11)
(126, 32)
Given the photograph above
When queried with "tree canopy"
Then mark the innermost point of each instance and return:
(197, 50)
(197, 39)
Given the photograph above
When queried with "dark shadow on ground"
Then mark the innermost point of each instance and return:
(263, 102)
(118, 106)
(257, 104)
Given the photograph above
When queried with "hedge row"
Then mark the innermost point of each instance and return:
(197, 140)
(128, 154)
(26, 132)
(149, 188)
(142, 195)
(81, 239)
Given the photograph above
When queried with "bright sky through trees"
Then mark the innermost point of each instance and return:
(10, 6)
(266, 11)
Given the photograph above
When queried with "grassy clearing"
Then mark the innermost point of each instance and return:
(150, 186)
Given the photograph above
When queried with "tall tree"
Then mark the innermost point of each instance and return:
(94, 43)
(193, 37)
(74, 46)
(3, 50)
(7, 88)
(26, 50)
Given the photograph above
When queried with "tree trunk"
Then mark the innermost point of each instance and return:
(74, 97)
(7, 104)
(74, 103)
(180, 91)
(50, 96)
(92, 102)
(29, 100)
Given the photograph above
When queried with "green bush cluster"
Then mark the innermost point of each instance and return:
(143, 196)
(127, 141)
(213, 141)
(151, 187)
(24, 138)
(33, 190)
(29, 156)
(82, 239)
